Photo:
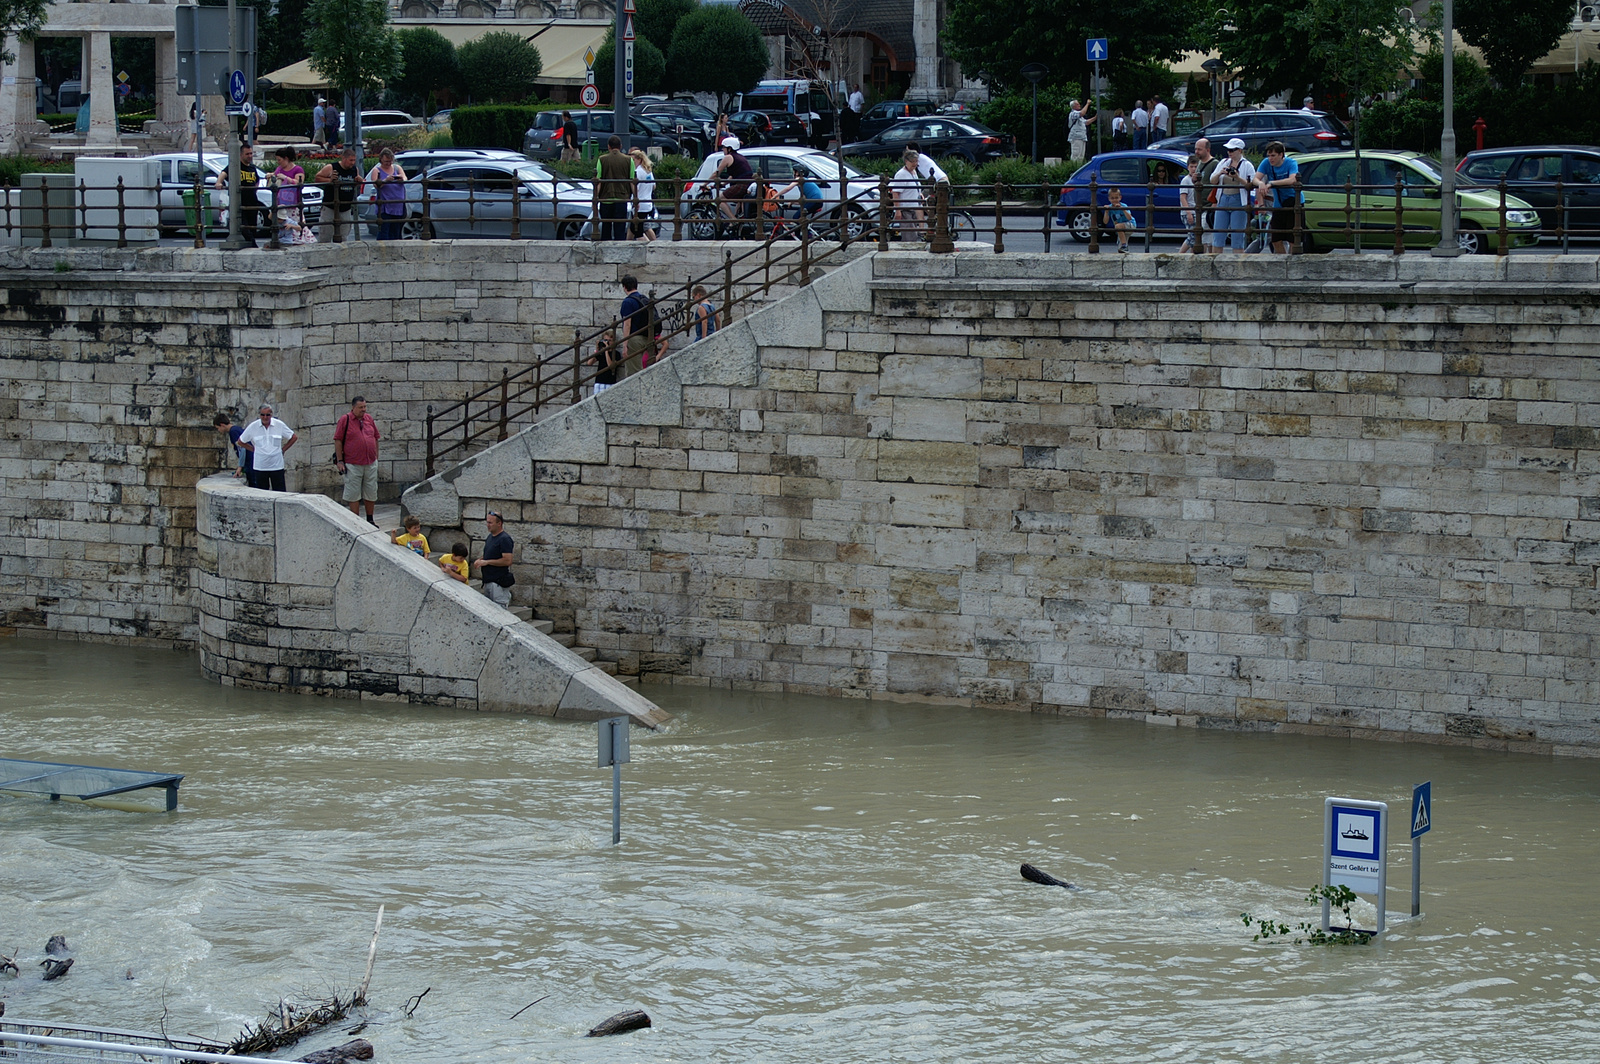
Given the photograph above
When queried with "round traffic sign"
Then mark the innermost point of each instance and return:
(590, 97)
(236, 87)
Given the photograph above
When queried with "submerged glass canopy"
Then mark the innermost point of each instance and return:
(82, 781)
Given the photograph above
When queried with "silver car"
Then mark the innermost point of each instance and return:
(178, 170)
(473, 198)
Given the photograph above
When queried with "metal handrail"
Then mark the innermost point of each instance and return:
(504, 404)
(133, 1051)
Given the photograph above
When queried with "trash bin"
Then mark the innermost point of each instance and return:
(189, 212)
(591, 150)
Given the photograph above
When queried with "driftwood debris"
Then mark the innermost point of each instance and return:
(355, 1049)
(54, 969)
(288, 1023)
(621, 1023)
(57, 946)
(1033, 875)
(9, 964)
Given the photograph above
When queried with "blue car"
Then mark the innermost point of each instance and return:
(1133, 172)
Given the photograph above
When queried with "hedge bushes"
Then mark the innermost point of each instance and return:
(495, 125)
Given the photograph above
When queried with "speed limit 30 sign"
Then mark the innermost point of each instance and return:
(590, 97)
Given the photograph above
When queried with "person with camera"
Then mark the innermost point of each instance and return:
(1235, 177)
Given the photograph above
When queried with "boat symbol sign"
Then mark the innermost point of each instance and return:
(1355, 832)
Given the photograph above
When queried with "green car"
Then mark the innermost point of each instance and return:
(1323, 176)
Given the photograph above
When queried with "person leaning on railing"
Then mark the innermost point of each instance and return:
(342, 184)
(1280, 175)
(614, 186)
(249, 199)
(388, 180)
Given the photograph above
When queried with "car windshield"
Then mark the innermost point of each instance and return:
(542, 178)
(825, 167)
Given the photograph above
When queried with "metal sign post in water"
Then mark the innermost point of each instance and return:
(614, 752)
(1421, 824)
(1353, 850)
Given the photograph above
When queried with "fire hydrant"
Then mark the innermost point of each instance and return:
(1478, 127)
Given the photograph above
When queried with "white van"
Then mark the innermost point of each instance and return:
(806, 100)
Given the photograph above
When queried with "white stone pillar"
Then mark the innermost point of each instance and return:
(170, 107)
(100, 82)
(925, 38)
(17, 97)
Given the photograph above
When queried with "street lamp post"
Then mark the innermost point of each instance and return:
(1035, 72)
(1213, 67)
(1449, 246)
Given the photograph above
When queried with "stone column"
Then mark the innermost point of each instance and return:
(169, 106)
(99, 80)
(17, 98)
(925, 38)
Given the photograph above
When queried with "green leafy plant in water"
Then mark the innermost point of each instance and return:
(1305, 932)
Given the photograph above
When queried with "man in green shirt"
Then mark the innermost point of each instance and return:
(614, 177)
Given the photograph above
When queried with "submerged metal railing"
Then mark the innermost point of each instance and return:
(19, 1042)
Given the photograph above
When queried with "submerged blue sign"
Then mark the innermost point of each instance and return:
(1422, 809)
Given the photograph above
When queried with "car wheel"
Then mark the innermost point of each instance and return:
(702, 219)
(1471, 240)
(416, 228)
(568, 229)
(1079, 222)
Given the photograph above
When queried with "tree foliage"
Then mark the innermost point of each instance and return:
(21, 17)
(429, 64)
(351, 43)
(1512, 37)
(499, 66)
(717, 49)
(655, 21)
(1295, 46)
(649, 64)
(1000, 37)
(1013, 113)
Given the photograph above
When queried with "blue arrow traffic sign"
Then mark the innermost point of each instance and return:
(1095, 48)
(1422, 809)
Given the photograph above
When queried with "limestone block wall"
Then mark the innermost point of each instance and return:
(297, 594)
(1342, 496)
(112, 363)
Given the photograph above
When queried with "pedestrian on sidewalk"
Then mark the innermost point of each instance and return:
(494, 564)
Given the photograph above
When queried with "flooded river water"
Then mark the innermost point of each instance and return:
(800, 880)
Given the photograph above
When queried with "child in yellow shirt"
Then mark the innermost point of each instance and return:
(411, 538)
(455, 563)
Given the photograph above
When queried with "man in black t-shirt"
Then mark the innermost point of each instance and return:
(494, 565)
(341, 189)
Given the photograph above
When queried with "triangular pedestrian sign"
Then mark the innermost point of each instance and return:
(1420, 822)
(627, 32)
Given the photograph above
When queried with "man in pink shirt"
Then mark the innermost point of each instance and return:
(355, 453)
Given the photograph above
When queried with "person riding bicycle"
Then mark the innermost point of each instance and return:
(734, 176)
(810, 202)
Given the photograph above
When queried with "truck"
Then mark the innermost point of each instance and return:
(806, 100)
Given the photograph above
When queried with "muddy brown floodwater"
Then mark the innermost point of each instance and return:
(800, 880)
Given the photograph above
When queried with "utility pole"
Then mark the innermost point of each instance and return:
(1449, 247)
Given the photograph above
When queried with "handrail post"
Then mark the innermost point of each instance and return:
(885, 209)
(44, 201)
(1044, 194)
(1505, 231)
(505, 390)
(471, 188)
(940, 242)
(466, 415)
(845, 199)
(1150, 216)
(577, 367)
(200, 212)
(83, 209)
(427, 212)
(516, 211)
(428, 464)
(1561, 215)
(677, 209)
(805, 250)
(1094, 216)
(999, 218)
(727, 287)
(594, 213)
(1348, 191)
(1399, 217)
(122, 215)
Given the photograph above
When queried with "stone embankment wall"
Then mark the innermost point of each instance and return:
(112, 364)
(1329, 495)
(296, 593)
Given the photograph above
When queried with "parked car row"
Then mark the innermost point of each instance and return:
(1333, 215)
(178, 171)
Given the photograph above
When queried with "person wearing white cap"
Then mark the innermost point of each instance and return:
(734, 175)
(1234, 179)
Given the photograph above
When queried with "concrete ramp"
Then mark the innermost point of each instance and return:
(298, 594)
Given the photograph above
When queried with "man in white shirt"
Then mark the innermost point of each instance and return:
(1141, 125)
(268, 440)
(1160, 125)
(1305, 105)
(852, 115)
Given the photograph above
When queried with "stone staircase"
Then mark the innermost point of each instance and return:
(388, 516)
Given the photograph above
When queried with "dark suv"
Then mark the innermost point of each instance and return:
(594, 127)
(880, 116)
(1300, 131)
(1532, 173)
